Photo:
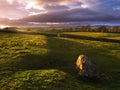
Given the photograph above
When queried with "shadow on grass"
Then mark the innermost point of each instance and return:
(62, 55)
(59, 57)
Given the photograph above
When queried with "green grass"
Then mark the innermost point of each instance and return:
(36, 62)
(96, 34)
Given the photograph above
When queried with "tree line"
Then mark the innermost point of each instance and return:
(112, 29)
(87, 28)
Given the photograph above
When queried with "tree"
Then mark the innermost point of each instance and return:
(102, 29)
(85, 28)
(114, 29)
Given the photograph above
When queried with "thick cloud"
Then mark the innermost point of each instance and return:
(28, 12)
(9, 10)
(55, 7)
(58, 2)
(74, 15)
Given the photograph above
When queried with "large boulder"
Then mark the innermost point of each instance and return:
(86, 67)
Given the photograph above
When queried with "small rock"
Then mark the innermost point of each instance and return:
(86, 67)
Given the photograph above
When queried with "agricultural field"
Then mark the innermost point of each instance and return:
(38, 62)
(115, 36)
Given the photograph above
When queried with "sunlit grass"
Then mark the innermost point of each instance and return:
(96, 34)
(34, 79)
(12, 45)
(36, 62)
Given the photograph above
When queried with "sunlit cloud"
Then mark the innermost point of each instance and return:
(3, 26)
(48, 23)
(10, 1)
(36, 13)
(33, 5)
(84, 6)
(13, 18)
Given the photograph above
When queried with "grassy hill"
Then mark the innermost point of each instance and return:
(38, 62)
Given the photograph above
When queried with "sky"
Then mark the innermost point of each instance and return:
(59, 12)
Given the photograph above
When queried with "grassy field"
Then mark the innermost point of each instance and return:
(37, 62)
(96, 34)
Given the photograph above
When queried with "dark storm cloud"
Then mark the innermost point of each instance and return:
(60, 11)
(105, 11)
(76, 15)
